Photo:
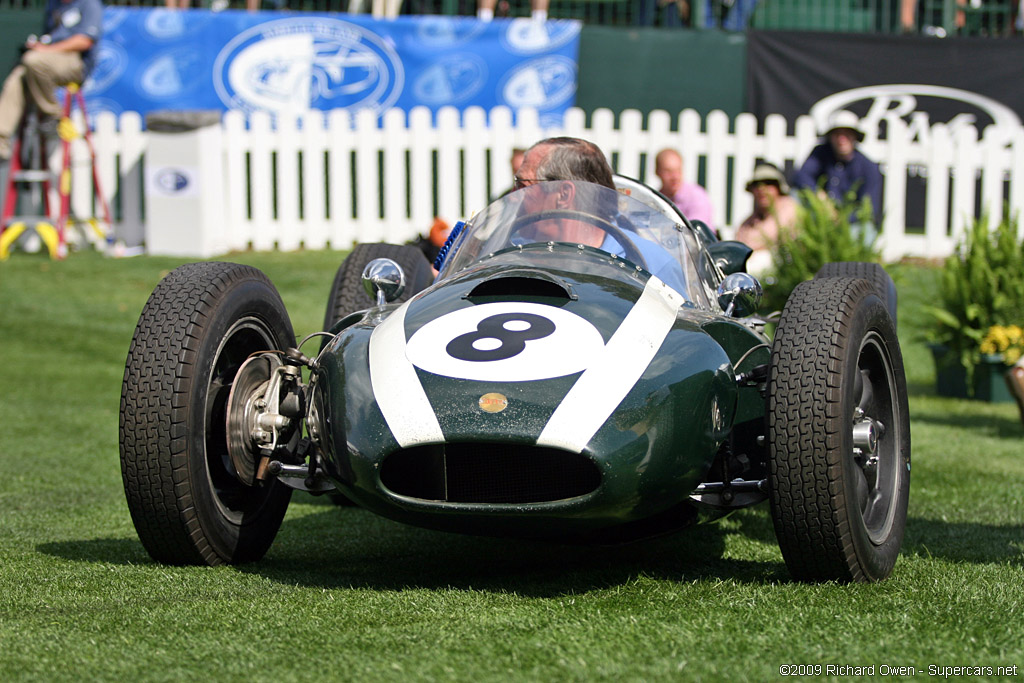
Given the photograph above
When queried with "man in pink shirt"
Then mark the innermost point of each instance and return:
(691, 198)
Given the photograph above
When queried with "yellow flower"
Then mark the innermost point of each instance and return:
(1006, 340)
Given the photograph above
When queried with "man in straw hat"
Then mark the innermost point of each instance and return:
(774, 211)
(838, 167)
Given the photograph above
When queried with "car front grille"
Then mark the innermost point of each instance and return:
(489, 473)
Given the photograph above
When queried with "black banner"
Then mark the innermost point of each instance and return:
(922, 78)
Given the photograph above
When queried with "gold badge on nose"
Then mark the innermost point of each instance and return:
(493, 403)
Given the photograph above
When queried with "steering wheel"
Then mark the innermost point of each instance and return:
(618, 234)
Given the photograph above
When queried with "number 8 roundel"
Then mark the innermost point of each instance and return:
(505, 342)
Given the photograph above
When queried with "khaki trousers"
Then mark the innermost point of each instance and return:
(36, 78)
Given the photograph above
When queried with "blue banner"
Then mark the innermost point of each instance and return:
(288, 63)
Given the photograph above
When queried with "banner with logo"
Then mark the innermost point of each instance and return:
(924, 80)
(920, 79)
(287, 62)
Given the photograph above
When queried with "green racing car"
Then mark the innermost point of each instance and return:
(535, 387)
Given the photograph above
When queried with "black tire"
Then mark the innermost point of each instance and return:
(837, 516)
(200, 324)
(347, 293)
(872, 272)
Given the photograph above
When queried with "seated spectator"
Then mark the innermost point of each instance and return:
(538, 10)
(65, 54)
(691, 198)
(667, 13)
(431, 243)
(837, 168)
(516, 161)
(732, 15)
(774, 213)
(908, 16)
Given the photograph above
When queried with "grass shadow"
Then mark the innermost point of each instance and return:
(340, 547)
(953, 541)
(993, 425)
(116, 551)
(965, 542)
(919, 388)
(321, 550)
(755, 524)
(331, 547)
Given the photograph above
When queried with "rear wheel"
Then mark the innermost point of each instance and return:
(347, 293)
(872, 272)
(199, 326)
(839, 433)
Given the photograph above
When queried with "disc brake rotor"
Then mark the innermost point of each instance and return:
(246, 402)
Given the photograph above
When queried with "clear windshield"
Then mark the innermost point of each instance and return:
(580, 213)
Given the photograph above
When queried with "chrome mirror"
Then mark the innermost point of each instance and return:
(383, 280)
(739, 294)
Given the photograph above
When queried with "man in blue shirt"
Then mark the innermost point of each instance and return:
(64, 54)
(840, 168)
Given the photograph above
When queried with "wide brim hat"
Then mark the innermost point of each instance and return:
(844, 120)
(766, 173)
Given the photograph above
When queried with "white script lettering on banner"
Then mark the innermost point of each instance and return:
(908, 101)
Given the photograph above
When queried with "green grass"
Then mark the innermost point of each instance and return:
(345, 595)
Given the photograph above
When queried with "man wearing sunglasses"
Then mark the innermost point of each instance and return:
(567, 160)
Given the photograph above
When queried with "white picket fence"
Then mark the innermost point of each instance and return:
(329, 181)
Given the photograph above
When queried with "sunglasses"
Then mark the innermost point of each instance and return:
(519, 183)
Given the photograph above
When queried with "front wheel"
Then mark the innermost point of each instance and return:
(872, 272)
(187, 502)
(839, 433)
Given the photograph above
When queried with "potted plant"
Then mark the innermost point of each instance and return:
(980, 306)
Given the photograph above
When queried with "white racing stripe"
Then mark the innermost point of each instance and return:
(602, 386)
(398, 390)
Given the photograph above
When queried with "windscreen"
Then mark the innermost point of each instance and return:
(575, 213)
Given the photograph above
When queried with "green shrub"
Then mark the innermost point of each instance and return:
(982, 285)
(823, 234)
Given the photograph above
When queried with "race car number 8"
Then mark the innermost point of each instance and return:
(507, 341)
(472, 346)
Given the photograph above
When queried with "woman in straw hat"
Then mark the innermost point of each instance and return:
(774, 211)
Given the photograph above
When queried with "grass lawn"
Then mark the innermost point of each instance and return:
(345, 595)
